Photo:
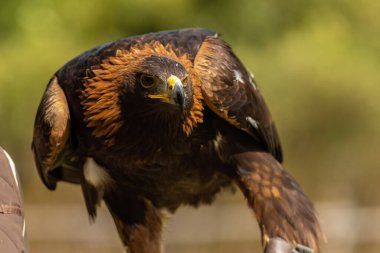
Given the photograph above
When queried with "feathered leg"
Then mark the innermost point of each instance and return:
(138, 222)
(281, 207)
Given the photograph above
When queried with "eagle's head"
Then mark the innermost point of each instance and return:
(149, 86)
(164, 84)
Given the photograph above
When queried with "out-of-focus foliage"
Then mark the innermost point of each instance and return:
(317, 64)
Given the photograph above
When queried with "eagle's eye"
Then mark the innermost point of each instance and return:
(147, 81)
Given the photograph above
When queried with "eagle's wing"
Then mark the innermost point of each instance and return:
(51, 131)
(230, 91)
(281, 207)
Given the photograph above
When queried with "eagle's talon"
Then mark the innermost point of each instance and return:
(302, 249)
(278, 245)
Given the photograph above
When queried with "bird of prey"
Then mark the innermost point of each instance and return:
(152, 122)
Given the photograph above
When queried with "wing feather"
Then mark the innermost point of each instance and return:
(51, 131)
(230, 91)
(282, 208)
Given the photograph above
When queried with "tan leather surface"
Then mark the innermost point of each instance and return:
(11, 212)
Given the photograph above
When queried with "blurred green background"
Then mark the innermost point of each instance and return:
(317, 64)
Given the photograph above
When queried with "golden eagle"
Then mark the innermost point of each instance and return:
(152, 122)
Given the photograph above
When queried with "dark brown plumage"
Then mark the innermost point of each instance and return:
(156, 121)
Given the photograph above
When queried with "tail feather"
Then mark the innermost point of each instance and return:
(92, 199)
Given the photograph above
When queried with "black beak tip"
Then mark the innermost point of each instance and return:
(179, 97)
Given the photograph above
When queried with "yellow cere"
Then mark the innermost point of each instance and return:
(171, 82)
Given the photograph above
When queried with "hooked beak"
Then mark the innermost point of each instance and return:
(174, 93)
(175, 90)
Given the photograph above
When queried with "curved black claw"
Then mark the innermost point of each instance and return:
(302, 249)
(278, 245)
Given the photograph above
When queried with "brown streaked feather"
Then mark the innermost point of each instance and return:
(101, 104)
(57, 115)
(281, 207)
(52, 129)
(232, 97)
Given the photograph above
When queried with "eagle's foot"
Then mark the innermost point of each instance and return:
(278, 245)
